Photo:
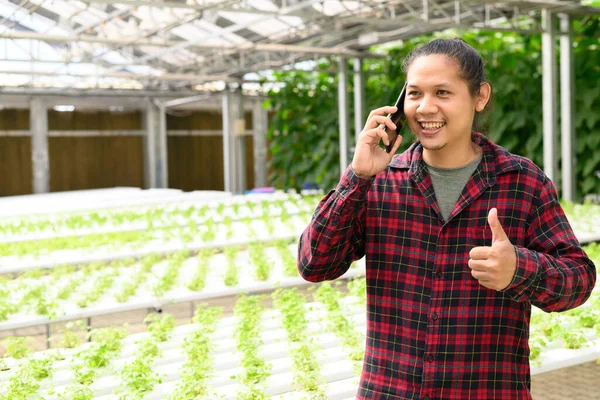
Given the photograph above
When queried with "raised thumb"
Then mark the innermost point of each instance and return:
(498, 233)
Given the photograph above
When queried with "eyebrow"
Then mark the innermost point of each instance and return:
(443, 84)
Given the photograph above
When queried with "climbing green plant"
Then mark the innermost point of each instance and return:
(303, 130)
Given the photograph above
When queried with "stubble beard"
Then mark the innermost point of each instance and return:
(433, 148)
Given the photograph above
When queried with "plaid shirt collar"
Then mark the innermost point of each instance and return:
(495, 160)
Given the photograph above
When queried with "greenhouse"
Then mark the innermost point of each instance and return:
(170, 166)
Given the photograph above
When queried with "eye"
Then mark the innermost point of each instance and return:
(443, 92)
(413, 93)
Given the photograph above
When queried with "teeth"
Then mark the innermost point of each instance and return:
(432, 125)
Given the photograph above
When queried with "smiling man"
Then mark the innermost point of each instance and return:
(461, 237)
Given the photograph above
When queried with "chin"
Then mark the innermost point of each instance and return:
(432, 145)
(433, 148)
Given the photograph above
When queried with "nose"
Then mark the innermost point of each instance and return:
(427, 105)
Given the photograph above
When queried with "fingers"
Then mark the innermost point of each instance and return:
(481, 276)
(396, 144)
(379, 121)
(383, 111)
(379, 117)
(477, 265)
(480, 253)
(376, 135)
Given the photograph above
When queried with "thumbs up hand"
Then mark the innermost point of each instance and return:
(494, 266)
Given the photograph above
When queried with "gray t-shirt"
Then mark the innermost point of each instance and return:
(448, 184)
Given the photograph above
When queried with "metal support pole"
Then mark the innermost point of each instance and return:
(549, 95)
(228, 143)
(89, 327)
(149, 145)
(47, 336)
(457, 12)
(567, 96)
(163, 164)
(38, 122)
(359, 98)
(259, 128)
(240, 139)
(343, 113)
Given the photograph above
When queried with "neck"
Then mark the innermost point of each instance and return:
(452, 157)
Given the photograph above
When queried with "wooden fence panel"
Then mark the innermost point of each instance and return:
(94, 120)
(196, 162)
(15, 166)
(78, 163)
(13, 119)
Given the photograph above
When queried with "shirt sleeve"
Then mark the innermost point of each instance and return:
(335, 236)
(553, 271)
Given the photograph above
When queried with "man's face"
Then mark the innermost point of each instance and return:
(438, 107)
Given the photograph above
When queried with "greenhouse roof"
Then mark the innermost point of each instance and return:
(191, 44)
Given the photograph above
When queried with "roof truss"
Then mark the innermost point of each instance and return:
(176, 44)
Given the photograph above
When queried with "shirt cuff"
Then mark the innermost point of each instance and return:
(525, 274)
(352, 187)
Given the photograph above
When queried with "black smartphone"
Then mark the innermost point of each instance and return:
(397, 118)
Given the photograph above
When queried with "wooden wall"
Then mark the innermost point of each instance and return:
(209, 120)
(88, 162)
(93, 162)
(78, 163)
(94, 120)
(16, 175)
(196, 162)
(14, 119)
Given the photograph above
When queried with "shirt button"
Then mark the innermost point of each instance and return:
(426, 397)
(430, 358)
(439, 274)
(434, 316)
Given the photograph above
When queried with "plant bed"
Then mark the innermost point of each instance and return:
(152, 283)
(279, 333)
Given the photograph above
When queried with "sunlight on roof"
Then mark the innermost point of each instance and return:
(33, 21)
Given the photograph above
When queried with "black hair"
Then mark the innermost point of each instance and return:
(471, 68)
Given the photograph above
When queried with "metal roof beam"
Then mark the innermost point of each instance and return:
(128, 75)
(9, 92)
(22, 6)
(239, 8)
(188, 19)
(232, 28)
(562, 6)
(81, 38)
(115, 14)
(266, 47)
(150, 34)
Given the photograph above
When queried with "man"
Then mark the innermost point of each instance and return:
(460, 236)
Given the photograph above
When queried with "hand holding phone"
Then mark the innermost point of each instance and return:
(397, 118)
(368, 159)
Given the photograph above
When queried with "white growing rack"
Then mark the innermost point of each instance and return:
(91, 200)
(211, 206)
(241, 231)
(336, 367)
(145, 298)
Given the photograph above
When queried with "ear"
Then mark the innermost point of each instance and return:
(485, 91)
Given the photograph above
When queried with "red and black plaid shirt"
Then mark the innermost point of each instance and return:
(433, 331)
